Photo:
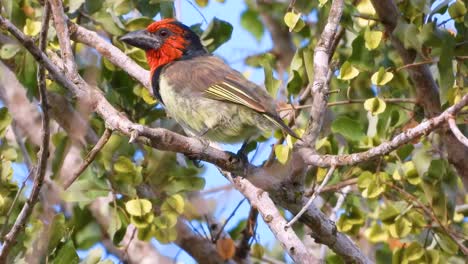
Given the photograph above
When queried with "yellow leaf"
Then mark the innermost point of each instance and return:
(372, 38)
(32, 27)
(138, 207)
(348, 72)
(282, 153)
(381, 77)
(174, 203)
(375, 105)
(293, 21)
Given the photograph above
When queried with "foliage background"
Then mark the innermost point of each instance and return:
(383, 221)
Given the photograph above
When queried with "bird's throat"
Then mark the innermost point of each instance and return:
(162, 56)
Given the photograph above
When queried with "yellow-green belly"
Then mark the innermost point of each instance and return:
(215, 120)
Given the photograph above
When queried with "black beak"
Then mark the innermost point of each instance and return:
(141, 39)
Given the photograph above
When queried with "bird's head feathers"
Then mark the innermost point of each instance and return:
(165, 41)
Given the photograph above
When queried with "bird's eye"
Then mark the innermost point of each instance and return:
(163, 33)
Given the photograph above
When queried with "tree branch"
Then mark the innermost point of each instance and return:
(89, 157)
(312, 198)
(322, 55)
(456, 131)
(275, 221)
(20, 223)
(423, 128)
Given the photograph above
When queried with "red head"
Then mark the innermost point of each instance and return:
(165, 41)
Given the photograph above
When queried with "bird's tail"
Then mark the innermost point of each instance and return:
(280, 123)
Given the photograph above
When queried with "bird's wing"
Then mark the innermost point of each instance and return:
(210, 77)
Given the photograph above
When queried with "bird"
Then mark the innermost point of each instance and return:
(200, 91)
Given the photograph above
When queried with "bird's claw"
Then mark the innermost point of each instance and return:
(135, 133)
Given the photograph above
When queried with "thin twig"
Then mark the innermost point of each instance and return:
(456, 131)
(334, 215)
(11, 238)
(15, 200)
(215, 238)
(429, 213)
(336, 187)
(242, 250)
(89, 157)
(416, 64)
(24, 151)
(351, 101)
(312, 198)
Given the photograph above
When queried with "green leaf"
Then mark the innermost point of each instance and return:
(166, 220)
(8, 51)
(381, 77)
(107, 22)
(375, 106)
(166, 235)
(138, 207)
(401, 228)
(432, 256)
(201, 3)
(408, 34)
(124, 165)
(411, 174)
(5, 120)
(138, 23)
(94, 256)
(388, 214)
(58, 230)
(74, 5)
(322, 2)
(414, 251)
(282, 153)
(258, 251)
(61, 142)
(348, 72)
(445, 66)
(66, 254)
(457, 10)
(271, 83)
(122, 7)
(294, 85)
(250, 20)
(32, 27)
(293, 21)
(143, 221)
(372, 38)
(351, 129)
(174, 203)
(361, 56)
(446, 243)
(376, 233)
(217, 33)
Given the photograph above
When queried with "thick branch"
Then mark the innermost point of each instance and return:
(110, 52)
(20, 223)
(322, 55)
(63, 36)
(275, 221)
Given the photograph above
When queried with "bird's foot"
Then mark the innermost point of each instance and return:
(195, 157)
(135, 133)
